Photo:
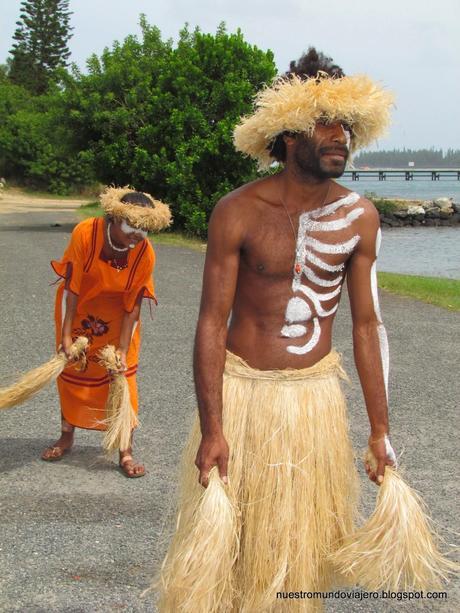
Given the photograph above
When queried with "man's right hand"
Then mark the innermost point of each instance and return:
(213, 451)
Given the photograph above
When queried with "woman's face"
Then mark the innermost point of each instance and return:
(126, 235)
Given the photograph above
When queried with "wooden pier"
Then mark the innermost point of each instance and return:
(408, 174)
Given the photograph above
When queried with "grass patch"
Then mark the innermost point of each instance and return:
(385, 206)
(444, 293)
(168, 237)
(92, 209)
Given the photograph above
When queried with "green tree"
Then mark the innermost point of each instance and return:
(161, 116)
(36, 146)
(40, 46)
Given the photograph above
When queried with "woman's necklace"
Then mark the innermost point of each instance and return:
(299, 244)
(109, 239)
(118, 263)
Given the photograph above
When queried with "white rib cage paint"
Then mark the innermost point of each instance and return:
(298, 310)
(382, 334)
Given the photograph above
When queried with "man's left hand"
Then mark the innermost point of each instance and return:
(384, 455)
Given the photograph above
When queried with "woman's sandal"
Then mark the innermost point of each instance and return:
(129, 459)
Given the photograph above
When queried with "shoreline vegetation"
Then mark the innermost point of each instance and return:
(441, 292)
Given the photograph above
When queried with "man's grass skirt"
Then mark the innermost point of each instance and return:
(291, 498)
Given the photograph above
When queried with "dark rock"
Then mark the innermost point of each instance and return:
(431, 222)
(445, 213)
(432, 213)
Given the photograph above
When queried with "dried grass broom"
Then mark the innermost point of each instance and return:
(120, 415)
(33, 381)
(396, 549)
(196, 576)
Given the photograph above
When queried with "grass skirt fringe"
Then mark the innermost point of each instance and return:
(290, 502)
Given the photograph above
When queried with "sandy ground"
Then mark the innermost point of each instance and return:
(76, 536)
(16, 201)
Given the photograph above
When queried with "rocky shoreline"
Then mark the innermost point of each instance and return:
(429, 213)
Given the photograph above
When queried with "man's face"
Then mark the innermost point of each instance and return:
(324, 154)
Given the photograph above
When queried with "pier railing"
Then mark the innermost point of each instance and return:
(408, 174)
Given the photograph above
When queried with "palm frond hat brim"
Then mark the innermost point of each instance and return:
(155, 218)
(292, 104)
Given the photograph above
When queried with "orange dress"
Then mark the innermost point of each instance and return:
(105, 293)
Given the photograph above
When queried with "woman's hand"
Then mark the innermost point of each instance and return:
(123, 360)
(66, 344)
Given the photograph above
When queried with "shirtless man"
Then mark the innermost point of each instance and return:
(279, 251)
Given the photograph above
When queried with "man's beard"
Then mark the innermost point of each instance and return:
(310, 162)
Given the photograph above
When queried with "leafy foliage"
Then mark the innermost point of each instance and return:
(40, 45)
(148, 113)
(36, 145)
(161, 117)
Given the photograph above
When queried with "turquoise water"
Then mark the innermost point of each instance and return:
(418, 189)
(431, 252)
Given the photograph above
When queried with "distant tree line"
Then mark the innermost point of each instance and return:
(400, 158)
(149, 113)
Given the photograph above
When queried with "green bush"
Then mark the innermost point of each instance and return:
(35, 144)
(384, 206)
(147, 113)
(161, 117)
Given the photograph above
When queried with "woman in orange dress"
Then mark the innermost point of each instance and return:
(107, 271)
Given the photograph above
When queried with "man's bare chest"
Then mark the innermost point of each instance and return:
(314, 245)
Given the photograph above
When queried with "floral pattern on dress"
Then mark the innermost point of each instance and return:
(91, 326)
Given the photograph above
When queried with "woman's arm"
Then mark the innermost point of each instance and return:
(127, 327)
(70, 310)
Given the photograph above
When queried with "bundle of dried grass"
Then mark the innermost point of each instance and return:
(198, 577)
(121, 418)
(397, 548)
(34, 380)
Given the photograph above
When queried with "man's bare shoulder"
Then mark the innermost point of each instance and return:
(370, 215)
(367, 224)
(243, 202)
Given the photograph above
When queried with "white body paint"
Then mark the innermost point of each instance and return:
(347, 136)
(382, 334)
(298, 309)
(293, 331)
(390, 451)
(127, 229)
(311, 343)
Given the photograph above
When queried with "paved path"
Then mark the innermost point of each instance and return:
(77, 536)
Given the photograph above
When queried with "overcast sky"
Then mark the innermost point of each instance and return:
(411, 47)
